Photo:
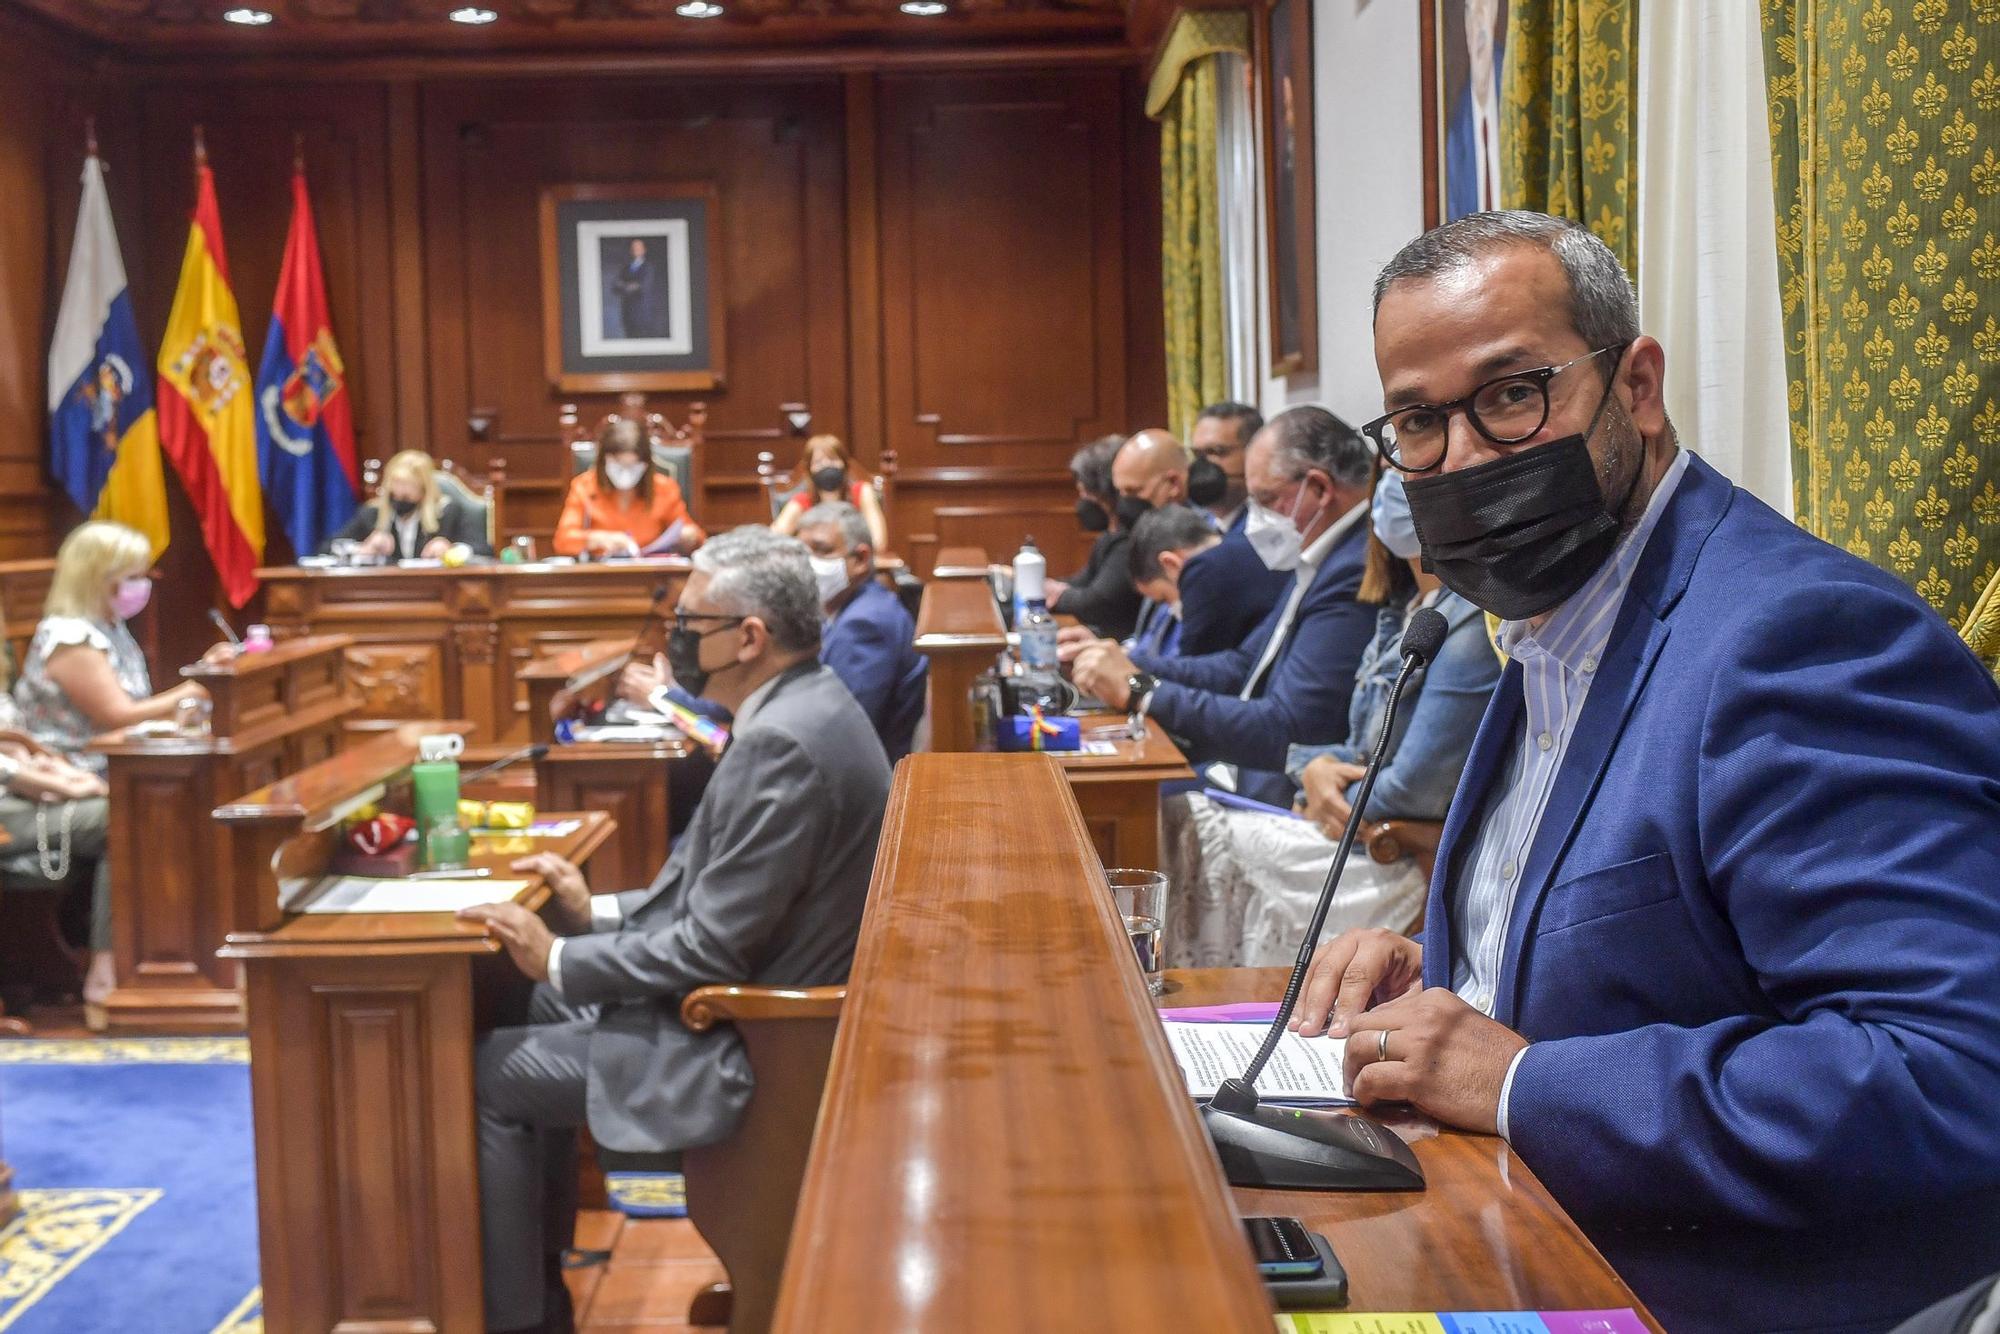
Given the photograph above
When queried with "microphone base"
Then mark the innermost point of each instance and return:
(1298, 1149)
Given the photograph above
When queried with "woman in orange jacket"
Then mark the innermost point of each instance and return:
(623, 505)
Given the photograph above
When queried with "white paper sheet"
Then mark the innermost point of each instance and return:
(1300, 1070)
(360, 894)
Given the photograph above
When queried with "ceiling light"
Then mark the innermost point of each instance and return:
(699, 9)
(472, 14)
(923, 9)
(249, 18)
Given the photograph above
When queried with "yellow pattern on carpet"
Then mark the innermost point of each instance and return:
(125, 1051)
(247, 1318)
(57, 1231)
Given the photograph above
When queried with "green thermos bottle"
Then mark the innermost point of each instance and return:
(434, 789)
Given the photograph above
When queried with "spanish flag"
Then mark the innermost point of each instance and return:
(206, 405)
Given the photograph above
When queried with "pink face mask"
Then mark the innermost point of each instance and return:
(131, 596)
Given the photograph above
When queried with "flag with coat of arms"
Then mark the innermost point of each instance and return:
(207, 403)
(104, 442)
(305, 416)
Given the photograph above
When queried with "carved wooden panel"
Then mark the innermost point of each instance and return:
(633, 790)
(169, 863)
(398, 680)
(998, 528)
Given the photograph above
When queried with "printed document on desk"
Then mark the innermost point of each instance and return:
(1301, 1070)
(361, 894)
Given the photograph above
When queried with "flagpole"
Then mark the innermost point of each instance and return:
(200, 151)
(298, 152)
(90, 136)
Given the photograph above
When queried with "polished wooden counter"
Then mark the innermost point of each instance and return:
(273, 713)
(1484, 1236)
(361, 1065)
(1003, 1143)
(960, 631)
(438, 643)
(959, 563)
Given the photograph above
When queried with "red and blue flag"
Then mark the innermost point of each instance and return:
(305, 417)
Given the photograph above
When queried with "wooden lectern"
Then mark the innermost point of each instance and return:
(361, 1061)
(274, 713)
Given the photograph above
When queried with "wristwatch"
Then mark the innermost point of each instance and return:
(1140, 687)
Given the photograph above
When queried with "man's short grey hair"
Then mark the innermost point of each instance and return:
(755, 572)
(839, 514)
(1091, 465)
(1311, 437)
(1602, 304)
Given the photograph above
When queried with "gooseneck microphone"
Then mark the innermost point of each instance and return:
(534, 752)
(1350, 1152)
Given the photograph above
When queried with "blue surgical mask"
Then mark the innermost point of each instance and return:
(1390, 513)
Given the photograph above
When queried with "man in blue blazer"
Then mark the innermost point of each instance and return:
(1239, 708)
(1714, 936)
(869, 636)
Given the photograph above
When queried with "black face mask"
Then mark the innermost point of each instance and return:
(403, 508)
(1090, 516)
(684, 657)
(1207, 482)
(1518, 535)
(1131, 509)
(829, 478)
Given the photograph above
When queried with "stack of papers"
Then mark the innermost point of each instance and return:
(1622, 1321)
(360, 894)
(1302, 1071)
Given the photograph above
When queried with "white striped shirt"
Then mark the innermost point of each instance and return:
(1558, 662)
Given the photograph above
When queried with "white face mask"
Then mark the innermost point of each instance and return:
(1274, 536)
(830, 573)
(625, 474)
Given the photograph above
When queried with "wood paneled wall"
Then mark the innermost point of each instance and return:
(959, 264)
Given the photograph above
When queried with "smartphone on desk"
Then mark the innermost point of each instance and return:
(1283, 1248)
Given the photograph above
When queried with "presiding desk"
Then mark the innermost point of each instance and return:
(1005, 1142)
(438, 643)
(273, 713)
(361, 1063)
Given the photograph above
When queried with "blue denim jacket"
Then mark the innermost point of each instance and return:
(1440, 714)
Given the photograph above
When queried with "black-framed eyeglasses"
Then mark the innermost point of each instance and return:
(1506, 410)
(683, 619)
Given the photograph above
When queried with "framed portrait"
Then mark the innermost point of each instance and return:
(1464, 43)
(632, 294)
(1282, 38)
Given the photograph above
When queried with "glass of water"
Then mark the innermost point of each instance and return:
(1141, 899)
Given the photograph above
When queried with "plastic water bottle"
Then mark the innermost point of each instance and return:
(1035, 628)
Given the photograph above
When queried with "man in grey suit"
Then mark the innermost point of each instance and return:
(766, 887)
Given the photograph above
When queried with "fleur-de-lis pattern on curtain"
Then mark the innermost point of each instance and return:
(1567, 126)
(1885, 131)
(1182, 97)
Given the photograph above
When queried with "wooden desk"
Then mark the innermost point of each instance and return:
(1004, 1144)
(439, 643)
(584, 671)
(361, 1073)
(1484, 1236)
(960, 631)
(274, 714)
(960, 563)
(649, 788)
(1120, 794)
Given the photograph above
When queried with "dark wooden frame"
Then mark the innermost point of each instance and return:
(1433, 114)
(571, 382)
(1305, 357)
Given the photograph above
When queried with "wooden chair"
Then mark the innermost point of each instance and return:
(742, 1192)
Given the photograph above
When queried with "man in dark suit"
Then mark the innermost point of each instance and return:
(869, 637)
(1238, 709)
(1712, 935)
(1219, 440)
(766, 886)
(1100, 595)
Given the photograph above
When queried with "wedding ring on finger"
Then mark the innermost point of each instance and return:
(1382, 1045)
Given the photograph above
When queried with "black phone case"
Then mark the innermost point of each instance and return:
(1324, 1291)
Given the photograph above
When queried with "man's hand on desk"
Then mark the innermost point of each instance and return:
(1444, 1058)
(1353, 971)
(1052, 591)
(527, 938)
(1072, 640)
(639, 680)
(1102, 670)
(569, 904)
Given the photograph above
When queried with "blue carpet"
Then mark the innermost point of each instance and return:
(134, 1164)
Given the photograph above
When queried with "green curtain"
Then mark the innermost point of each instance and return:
(1568, 90)
(1886, 157)
(1182, 98)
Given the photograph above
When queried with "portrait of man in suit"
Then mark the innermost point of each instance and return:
(1473, 39)
(635, 304)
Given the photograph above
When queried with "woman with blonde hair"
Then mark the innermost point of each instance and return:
(827, 475)
(83, 675)
(411, 517)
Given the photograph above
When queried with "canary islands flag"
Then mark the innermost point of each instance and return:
(207, 405)
(104, 441)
